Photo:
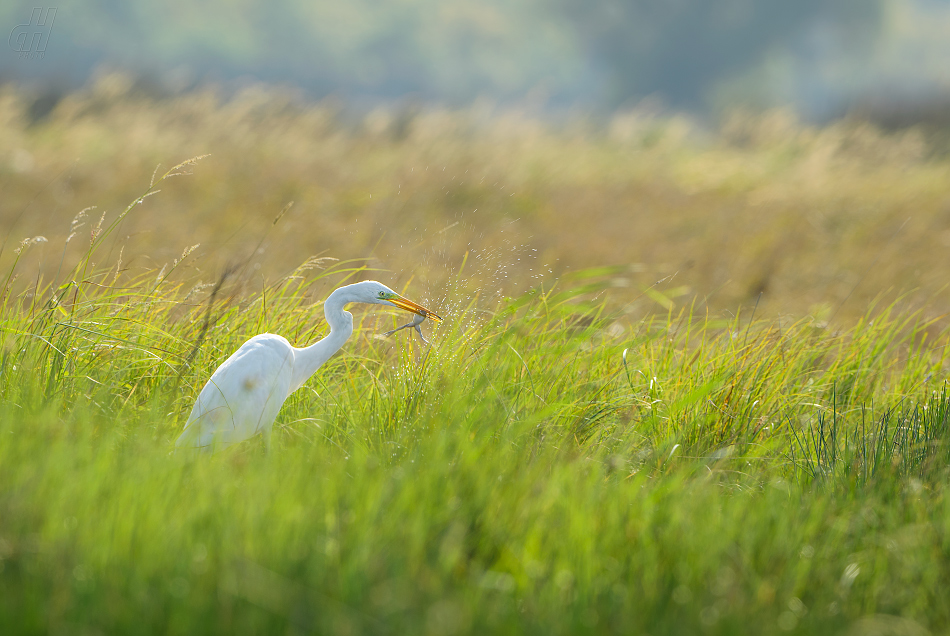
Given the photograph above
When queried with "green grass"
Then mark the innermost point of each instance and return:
(549, 465)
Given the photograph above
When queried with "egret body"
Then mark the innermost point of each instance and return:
(245, 393)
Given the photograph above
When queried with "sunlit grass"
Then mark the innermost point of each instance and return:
(761, 210)
(720, 434)
(548, 465)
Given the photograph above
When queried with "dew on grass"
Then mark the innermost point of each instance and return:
(849, 575)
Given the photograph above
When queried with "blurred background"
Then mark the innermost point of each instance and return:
(790, 154)
(822, 56)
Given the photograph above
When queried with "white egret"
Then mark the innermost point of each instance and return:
(245, 393)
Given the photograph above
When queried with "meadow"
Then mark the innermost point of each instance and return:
(687, 381)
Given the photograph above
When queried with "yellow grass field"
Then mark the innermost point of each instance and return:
(808, 222)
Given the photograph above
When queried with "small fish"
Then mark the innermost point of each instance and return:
(416, 321)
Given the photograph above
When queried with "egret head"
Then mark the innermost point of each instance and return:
(373, 292)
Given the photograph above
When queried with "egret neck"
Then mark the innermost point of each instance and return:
(308, 359)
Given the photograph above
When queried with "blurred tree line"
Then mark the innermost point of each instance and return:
(593, 52)
(680, 49)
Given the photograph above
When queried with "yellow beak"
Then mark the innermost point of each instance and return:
(416, 308)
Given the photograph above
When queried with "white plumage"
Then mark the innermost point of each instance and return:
(245, 393)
